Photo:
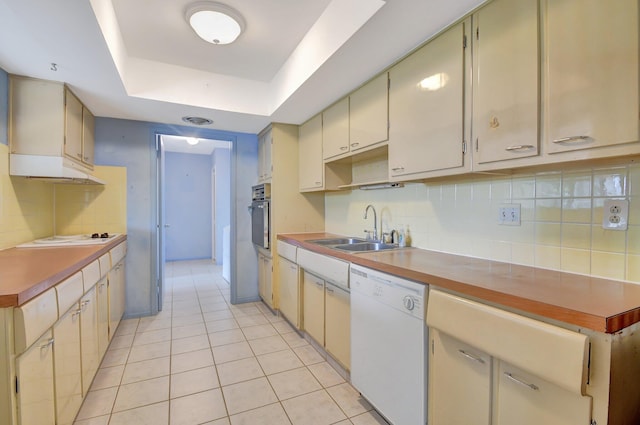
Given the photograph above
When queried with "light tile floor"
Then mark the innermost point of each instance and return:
(202, 360)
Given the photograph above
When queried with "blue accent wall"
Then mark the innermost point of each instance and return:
(4, 107)
(188, 198)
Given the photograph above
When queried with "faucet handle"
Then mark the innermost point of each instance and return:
(368, 234)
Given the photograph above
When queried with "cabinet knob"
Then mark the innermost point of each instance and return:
(48, 343)
(344, 148)
(355, 144)
(79, 155)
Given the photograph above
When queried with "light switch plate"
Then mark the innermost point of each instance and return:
(509, 214)
(615, 214)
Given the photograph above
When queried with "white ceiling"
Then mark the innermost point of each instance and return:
(139, 60)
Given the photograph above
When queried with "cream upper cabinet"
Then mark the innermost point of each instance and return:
(337, 318)
(67, 366)
(335, 129)
(591, 84)
(311, 166)
(289, 291)
(506, 81)
(265, 166)
(426, 107)
(64, 126)
(313, 308)
(369, 113)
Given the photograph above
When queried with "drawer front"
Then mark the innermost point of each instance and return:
(117, 253)
(287, 251)
(69, 292)
(555, 354)
(331, 269)
(105, 264)
(32, 319)
(91, 275)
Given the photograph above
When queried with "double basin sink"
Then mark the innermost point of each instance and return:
(354, 244)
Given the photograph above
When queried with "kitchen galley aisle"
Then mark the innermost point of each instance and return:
(203, 360)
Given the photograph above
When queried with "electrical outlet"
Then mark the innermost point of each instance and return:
(509, 214)
(615, 214)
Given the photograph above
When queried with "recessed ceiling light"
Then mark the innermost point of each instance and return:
(215, 23)
(192, 141)
(197, 120)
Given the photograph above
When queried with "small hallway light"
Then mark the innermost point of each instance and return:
(192, 141)
(215, 23)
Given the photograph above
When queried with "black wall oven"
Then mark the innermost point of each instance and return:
(261, 215)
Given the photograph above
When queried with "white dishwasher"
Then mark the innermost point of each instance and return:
(388, 344)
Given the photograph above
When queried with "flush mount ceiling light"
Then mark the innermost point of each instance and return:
(192, 141)
(197, 120)
(215, 23)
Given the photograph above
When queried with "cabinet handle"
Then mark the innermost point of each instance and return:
(318, 183)
(76, 313)
(329, 290)
(320, 284)
(518, 147)
(355, 144)
(86, 158)
(520, 381)
(47, 344)
(85, 302)
(294, 268)
(79, 155)
(344, 148)
(472, 357)
(570, 139)
(398, 169)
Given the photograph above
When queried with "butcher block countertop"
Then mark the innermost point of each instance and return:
(25, 273)
(598, 304)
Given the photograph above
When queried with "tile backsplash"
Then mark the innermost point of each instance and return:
(561, 218)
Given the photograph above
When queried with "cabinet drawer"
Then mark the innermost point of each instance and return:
(118, 253)
(105, 264)
(331, 269)
(287, 251)
(69, 292)
(33, 318)
(91, 275)
(550, 352)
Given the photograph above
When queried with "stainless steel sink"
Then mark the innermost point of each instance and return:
(366, 246)
(337, 241)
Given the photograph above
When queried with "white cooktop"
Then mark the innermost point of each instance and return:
(68, 240)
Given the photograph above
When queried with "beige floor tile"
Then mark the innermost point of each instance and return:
(193, 381)
(115, 357)
(221, 421)
(192, 343)
(369, 418)
(349, 400)
(187, 320)
(123, 341)
(239, 370)
(198, 408)
(219, 304)
(150, 351)
(326, 374)
(293, 383)
(260, 331)
(283, 327)
(279, 361)
(226, 337)
(248, 395)
(221, 325)
(153, 414)
(97, 403)
(189, 331)
(191, 360)
(146, 369)
(242, 310)
(294, 340)
(254, 320)
(230, 352)
(272, 414)
(142, 393)
(152, 337)
(107, 377)
(127, 327)
(308, 354)
(268, 345)
(316, 408)
(221, 314)
(98, 420)
(345, 422)
(154, 325)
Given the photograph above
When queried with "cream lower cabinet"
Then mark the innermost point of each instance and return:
(67, 366)
(337, 317)
(102, 295)
(89, 340)
(289, 290)
(35, 389)
(313, 307)
(116, 297)
(265, 282)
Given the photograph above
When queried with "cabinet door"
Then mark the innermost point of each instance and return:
(102, 296)
(505, 112)
(289, 303)
(116, 297)
(88, 136)
(592, 73)
(337, 324)
(426, 107)
(35, 394)
(311, 166)
(524, 399)
(369, 113)
(335, 129)
(459, 375)
(313, 307)
(67, 366)
(89, 338)
(264, 156)
(73, 126)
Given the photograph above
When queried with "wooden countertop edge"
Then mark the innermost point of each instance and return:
(594, 322)
(16, 300)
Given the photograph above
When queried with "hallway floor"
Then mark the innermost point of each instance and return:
(202, 360)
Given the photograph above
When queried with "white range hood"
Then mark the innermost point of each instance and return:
(53, 169)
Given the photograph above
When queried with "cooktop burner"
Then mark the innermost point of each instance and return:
(71, 240)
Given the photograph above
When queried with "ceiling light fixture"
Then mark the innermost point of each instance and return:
(192, 141)
(197, 120)
(215, 23)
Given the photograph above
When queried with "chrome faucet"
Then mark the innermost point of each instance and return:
(375, 221)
